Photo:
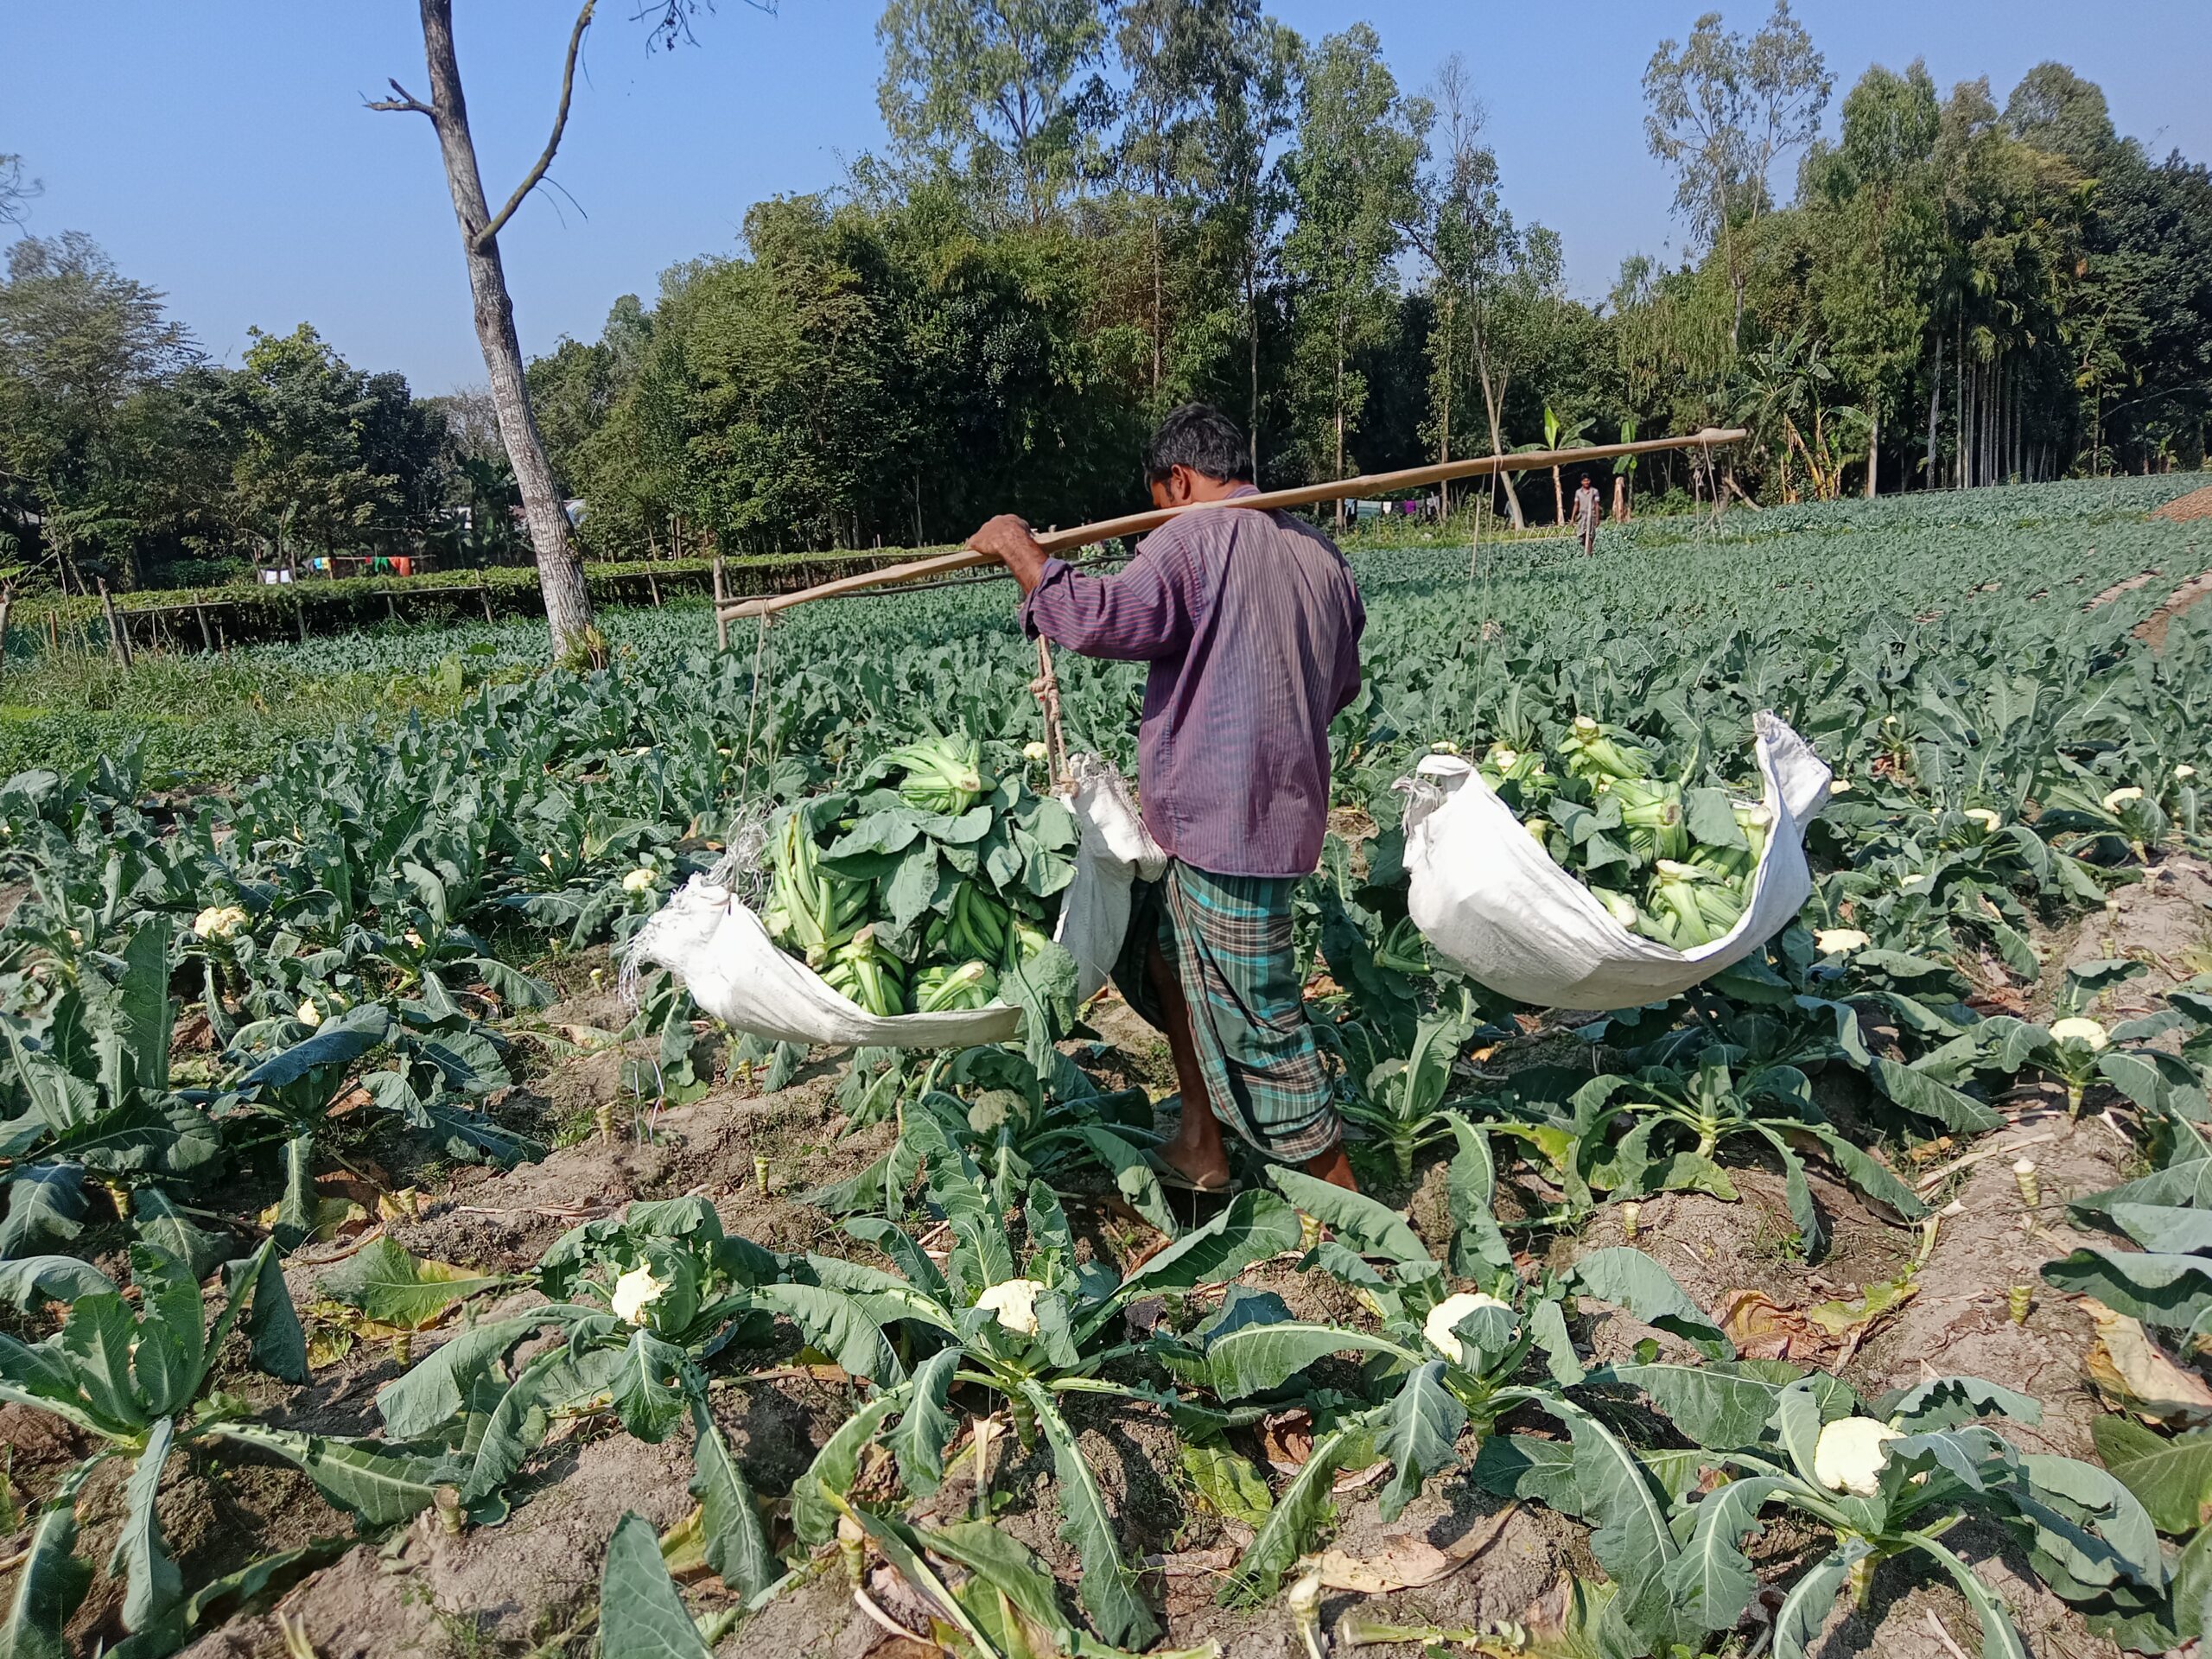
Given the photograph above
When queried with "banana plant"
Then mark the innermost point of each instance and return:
(1014, 1314)
(136, 1381)
(1893, 1485)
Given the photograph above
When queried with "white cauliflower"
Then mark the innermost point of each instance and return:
(219, 921)
(2087, 1032)
(1840, 941)
(641, 880)
(636, 1291)
(1015, 1304)
(1850, 1453)
(1437, 1327)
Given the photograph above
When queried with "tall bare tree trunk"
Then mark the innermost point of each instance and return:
(1156, 296)
(1874, 447)
(1339, 472)
(1252, 407)
(559, 571)
(1934, 404)
(1497, 448)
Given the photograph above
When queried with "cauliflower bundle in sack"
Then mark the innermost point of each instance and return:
(1673, 864)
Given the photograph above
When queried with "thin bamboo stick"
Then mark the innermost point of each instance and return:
(1134, 523)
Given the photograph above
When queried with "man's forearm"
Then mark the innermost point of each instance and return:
(1027, 563)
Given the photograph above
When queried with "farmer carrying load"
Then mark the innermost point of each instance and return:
(1251, 624)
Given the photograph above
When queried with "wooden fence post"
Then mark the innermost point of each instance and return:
(721, 622)
(207, 639)
(118, 641)
(7, 603)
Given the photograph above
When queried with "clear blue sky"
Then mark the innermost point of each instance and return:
(221, 151)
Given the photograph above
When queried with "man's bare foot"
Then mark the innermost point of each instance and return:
(1195, 1150)
(1333, 1167)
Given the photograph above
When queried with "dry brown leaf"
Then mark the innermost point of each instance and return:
(1761, 1328)
(1407, 1562)
(1287, 1440)
(1404, 1563)
(2136, 1376)
(589, 1039)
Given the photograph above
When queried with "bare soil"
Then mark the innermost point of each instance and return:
(2197, 504)
(2152, 629)
(529, 1586)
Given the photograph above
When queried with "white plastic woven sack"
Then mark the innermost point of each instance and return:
(1488, 898)
(722, 954)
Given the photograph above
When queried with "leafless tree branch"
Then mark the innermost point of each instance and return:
(404, 102)
(490, 233)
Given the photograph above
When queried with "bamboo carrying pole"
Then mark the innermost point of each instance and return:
(1305, 495)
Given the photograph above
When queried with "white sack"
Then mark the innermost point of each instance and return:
(1488, 899)
(722, 955)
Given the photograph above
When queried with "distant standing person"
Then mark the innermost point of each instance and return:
(1586, 510)
(1250, 624)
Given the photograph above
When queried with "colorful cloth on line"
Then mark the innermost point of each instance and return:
(1227, 940)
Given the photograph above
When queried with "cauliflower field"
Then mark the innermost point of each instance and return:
(380, 1277)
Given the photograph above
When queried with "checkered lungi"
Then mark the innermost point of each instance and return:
(1227, 940)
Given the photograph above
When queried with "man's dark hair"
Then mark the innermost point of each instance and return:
(1199, 436)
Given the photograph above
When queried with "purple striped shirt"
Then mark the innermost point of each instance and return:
(1251, 622)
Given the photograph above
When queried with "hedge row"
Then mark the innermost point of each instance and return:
(241, 612)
